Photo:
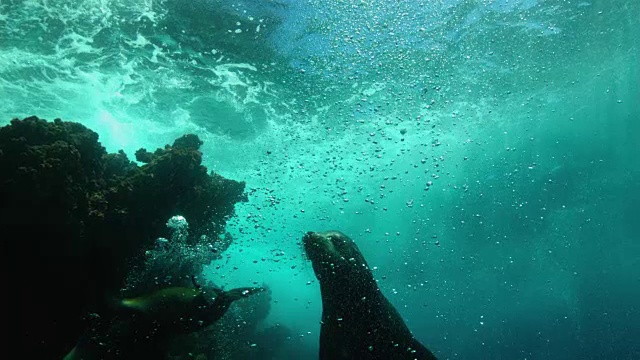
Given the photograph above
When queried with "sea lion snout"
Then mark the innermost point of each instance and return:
(310, 240)
(306, 239)
(318, 247)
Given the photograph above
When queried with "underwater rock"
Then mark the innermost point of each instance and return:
(78, 219)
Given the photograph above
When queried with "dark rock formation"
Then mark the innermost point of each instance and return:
(75, 219)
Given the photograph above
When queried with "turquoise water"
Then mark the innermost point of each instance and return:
(483, 154)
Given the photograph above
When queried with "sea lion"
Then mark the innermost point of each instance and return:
(143, 326)
(182, 310)
(358, 322)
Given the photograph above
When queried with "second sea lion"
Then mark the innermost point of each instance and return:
(144, 326)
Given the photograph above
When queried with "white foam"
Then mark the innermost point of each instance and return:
(139, 42)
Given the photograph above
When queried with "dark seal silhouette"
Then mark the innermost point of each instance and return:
(145, 325)
(358, 322)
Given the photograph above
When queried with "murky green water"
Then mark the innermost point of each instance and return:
(483, 154)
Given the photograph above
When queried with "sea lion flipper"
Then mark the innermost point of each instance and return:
(239, 293)
(194, 282)
(222, 302)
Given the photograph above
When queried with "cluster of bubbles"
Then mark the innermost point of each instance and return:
(173, 261)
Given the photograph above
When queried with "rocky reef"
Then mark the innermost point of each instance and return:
(75, 220)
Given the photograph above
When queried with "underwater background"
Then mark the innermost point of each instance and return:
(484, 155)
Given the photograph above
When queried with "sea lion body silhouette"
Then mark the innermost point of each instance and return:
(144, 325)
(183, 310)
(358, 322)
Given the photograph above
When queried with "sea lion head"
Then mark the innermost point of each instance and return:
(333, 254)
